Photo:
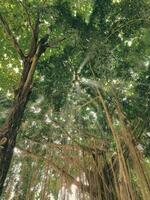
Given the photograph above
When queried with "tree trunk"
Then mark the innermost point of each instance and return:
(9, 131)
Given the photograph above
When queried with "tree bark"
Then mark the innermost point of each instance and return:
(9, 131)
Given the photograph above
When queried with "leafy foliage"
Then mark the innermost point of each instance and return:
(105, 51)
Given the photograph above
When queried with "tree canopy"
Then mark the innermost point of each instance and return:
(75, 99)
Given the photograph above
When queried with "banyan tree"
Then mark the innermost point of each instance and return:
(74, 100)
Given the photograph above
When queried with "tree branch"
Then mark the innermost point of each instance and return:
(27, 13)
(36, 27)
(35, 33)
(11, 36)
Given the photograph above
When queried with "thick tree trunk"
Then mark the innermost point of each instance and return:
(9, 131)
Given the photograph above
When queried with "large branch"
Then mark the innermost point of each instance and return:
(11, 36)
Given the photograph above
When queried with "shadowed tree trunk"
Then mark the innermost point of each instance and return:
(8, 132)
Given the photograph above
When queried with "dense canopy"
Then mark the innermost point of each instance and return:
(75, 100)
